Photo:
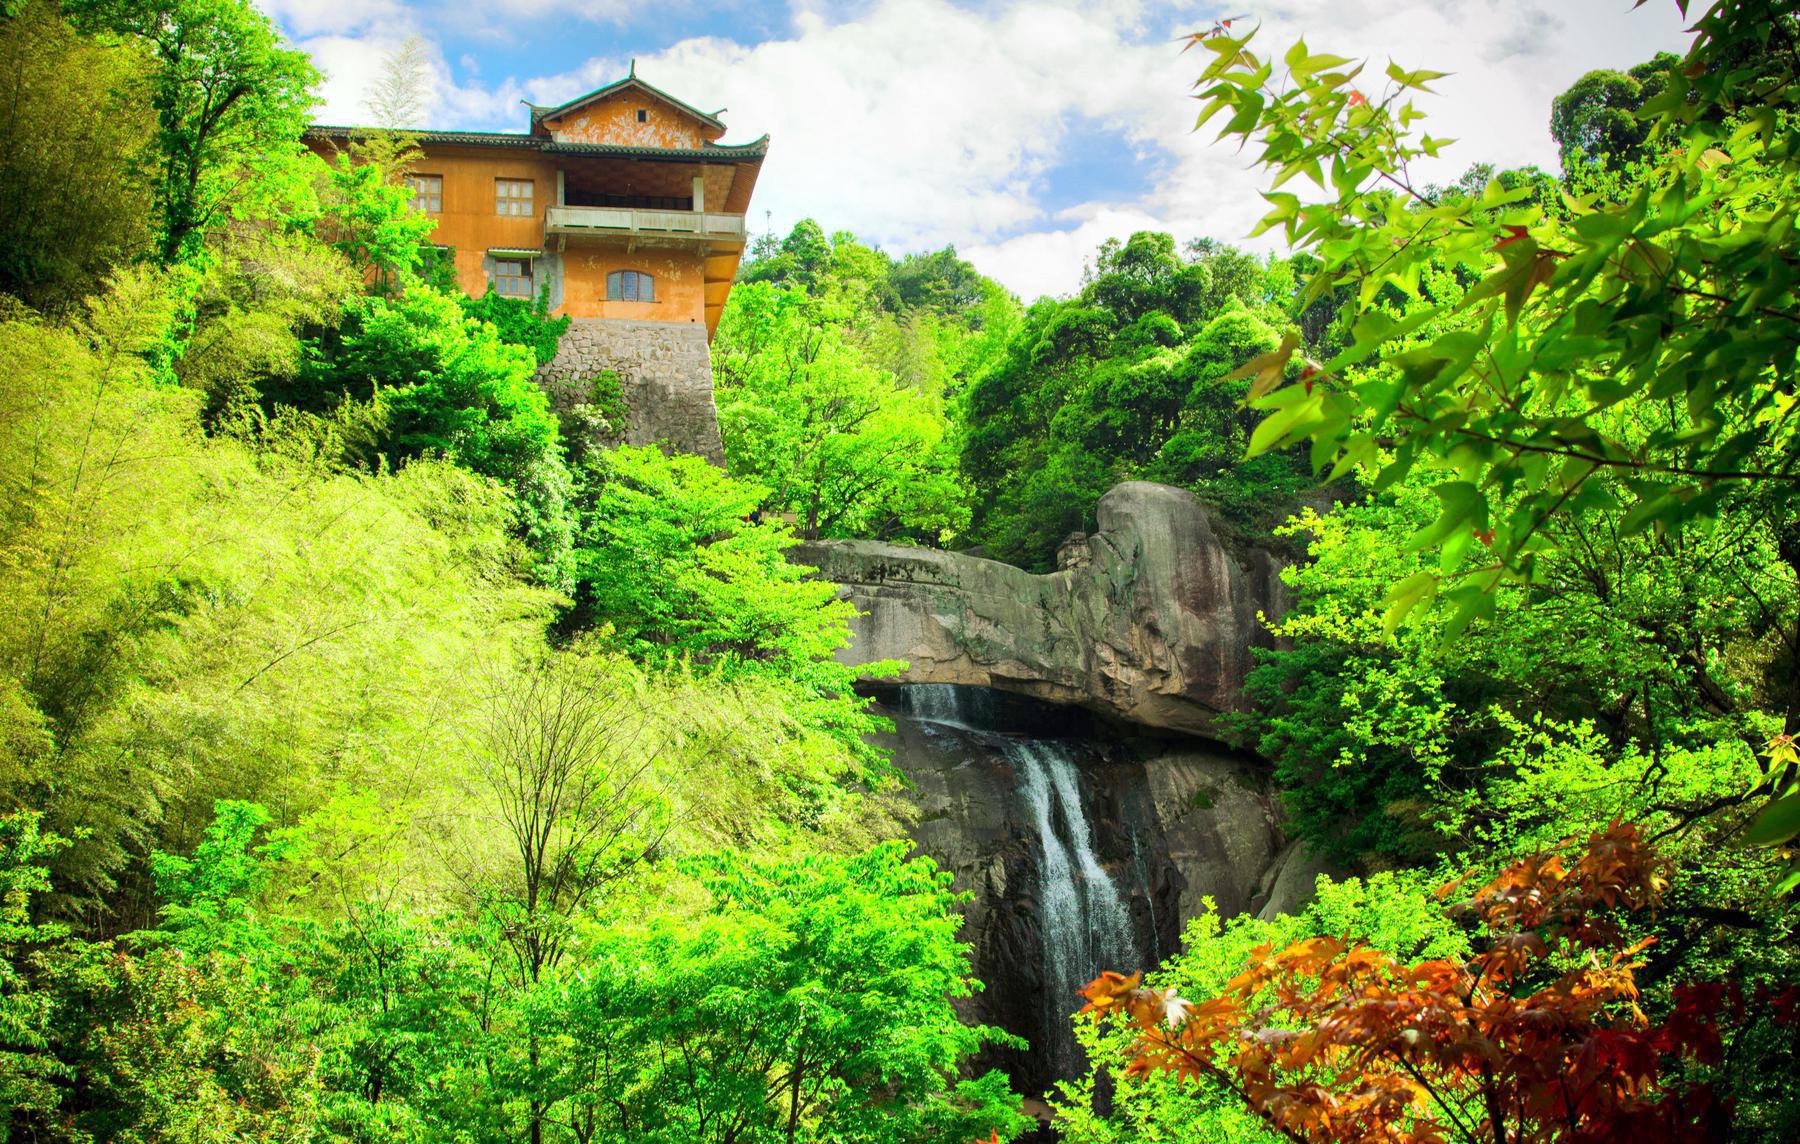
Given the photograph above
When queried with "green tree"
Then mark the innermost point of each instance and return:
(670, 559)
(839, 443)
(209, 899)
(800, 260)
(72, 119)
(366, 212)
(1597, 116)
(230, 103)
(1130, 379)
(811, 1000)
(1626, 351)
(31, 1075)
(938, 280)
(442, 384)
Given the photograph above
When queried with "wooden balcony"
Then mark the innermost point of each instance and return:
(630, 223)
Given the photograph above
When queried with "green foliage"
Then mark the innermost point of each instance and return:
(252, 309)
(1621, 351)
(29, 1072)
(230, 620)
(808, 1000)
(230, 103)
(839, 373)
(520, 323)
(671, 561)
(209, 898)
(1636, 337)
(938, 281)
(440, 384)
(798, 261)
(391, 1018)
(185, 1049)
(1673, 646)
(597, 417)
(1130, 379)
(278, 695)
(72, 120)
(841, 445)
(368, 218)
(1597, 116)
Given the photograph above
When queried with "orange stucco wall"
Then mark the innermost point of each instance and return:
(615, 120)
(470, 224)
(469, 221)
(679, 275)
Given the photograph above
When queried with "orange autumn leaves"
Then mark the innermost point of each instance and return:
(1539, 1037)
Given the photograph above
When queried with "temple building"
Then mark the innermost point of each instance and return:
(626, 209)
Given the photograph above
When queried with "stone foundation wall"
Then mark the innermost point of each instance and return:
(667, 373)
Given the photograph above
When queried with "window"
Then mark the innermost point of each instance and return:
(513, 197)
(427, 192)
(512, 277)
(643, 116)
(630, 286)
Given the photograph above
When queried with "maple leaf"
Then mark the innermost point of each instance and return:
(1359, 1048)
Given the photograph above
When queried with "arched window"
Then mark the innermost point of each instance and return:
(630, 286)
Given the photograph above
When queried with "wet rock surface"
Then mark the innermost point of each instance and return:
(1032, 808)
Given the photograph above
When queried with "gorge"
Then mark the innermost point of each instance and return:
(1061, 735)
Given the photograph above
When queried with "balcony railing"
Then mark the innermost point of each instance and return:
(630, 221)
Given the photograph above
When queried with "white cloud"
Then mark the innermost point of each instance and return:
(922, 122)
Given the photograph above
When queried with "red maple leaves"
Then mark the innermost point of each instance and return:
(1538, 1037)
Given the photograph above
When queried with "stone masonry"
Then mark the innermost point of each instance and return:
(667, 373)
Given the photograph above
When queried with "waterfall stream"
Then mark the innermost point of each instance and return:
(1084, 924)
(942, 704)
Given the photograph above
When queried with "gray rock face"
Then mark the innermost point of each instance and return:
(667, 372)
(1293, 880)
(1151, 620)
(1169, 822)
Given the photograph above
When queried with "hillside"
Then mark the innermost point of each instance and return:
(1368, 673)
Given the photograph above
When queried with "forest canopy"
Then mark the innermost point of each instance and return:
(390, 752)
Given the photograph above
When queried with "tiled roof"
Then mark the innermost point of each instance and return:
(705, 153)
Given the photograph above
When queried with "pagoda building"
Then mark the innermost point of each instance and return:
(622, 208)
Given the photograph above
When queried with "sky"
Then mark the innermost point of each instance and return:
(1023, 132)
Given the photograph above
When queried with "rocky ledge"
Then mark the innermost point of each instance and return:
(1150, 620)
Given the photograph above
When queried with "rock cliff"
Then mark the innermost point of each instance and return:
(1158, 823)
(1151, 620)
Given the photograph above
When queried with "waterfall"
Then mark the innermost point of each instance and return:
(1081, 924)
(1085, 925)
(936, 703)
(950, 705)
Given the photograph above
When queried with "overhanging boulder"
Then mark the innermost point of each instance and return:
(1152, 624)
